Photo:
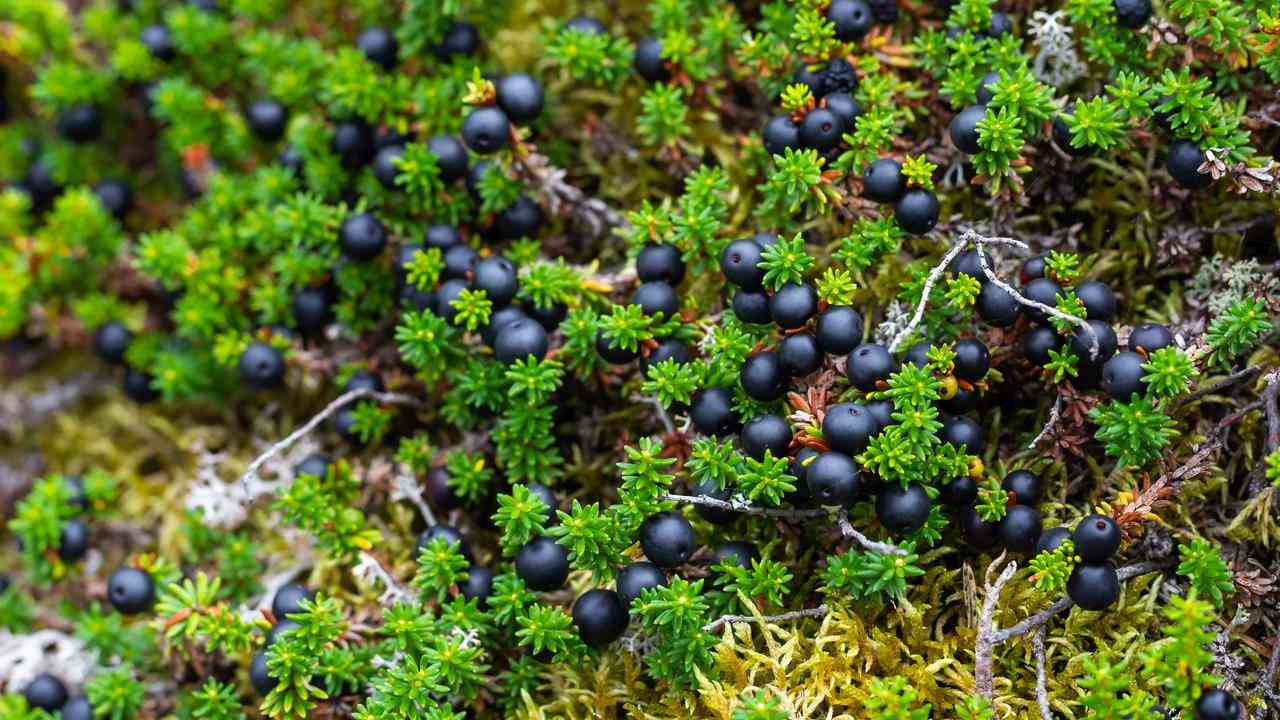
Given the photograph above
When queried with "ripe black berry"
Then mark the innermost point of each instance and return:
(353, 142)
(815, 81)
(110, 341)
(521, 218)
(1096, 538)
(902, 510)
(1082, 343)
(486, 130)
(1020, 529)
(843, 106)
(1183, 164)
(380, 46)
(660, 261)
(667, 539)
(1132, 14)
(77, 708)
(737, 553)
(839, 76)
(45, 692)
(586, 24)
(451, 534)
(478, 586)
(636, 577)
(963, 432)
(870, 363)
(970, 263)
(839, 330)
(972, 359)
(115, 195)
(799, 354)
(1122, 376)
(964, 129)
(1037, 343)
(918, 354)
(261, 367)
(73, 541)
(496, 275)
(279, 630)
(259, 678)
(1025, 486)
(712, 412)
(780, 133)
(1044, 291)
(832, 478)
(656, 298)
(460, 38)
(962, 402)
(600, 616)
(288, 600)
(1032, 268)
(648, 61)
(500, 319)
(766, 433)
(713, 515)
(1217, 704)
(158, 41)
(762, 376)
(1094, 586)
(917, 211)
(1000, 25)
(267, 119)
(138, 386)
(1052, 539)
(543, 564)
(451, 156)
(1099, 302)
(960, 492)
(848, 427)
(520, 339)
(520, 97)
(668, 349)
(978, 532)
(80, 123)
(131, 590)
(740, 263)
(792, 305)
(362, 236)
(987, 87)
(883, 181)
(316, 464)
(449, 292)
(459, 260)
(820, 129)
(614, 355)
(997, 307)
(311, 309)
(548, 498)
(549, 317)
(1150, 338)
(851, 18)
(385, 165)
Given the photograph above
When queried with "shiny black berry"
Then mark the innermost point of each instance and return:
(735, 553)
(460, 38)
(820, 129)
(496, 276)
(660, 261)
(902, 510)
(868, 364)
(521, 218)
(452, 536)
(1122, 376)
(740, 263)
(586, 24)
(115, 195)
(1099, 302)
(843, 106)
(970, 263)
(543, 564)
(851, 18)
(77, 708)
(713, 515)
(1096, 538)
(839, 76)
(779, 134)
(962, 402)
(883, 181)
(267, 119)
(712, 412)
(964, 433)
(839, 330)
(80, 123)
(158, 41)
(964, 129)
(1132, 14)
(763, 377)
(139, 386)
(987, 87)
(1025, 486)
(613, 354)
(668, 349)
(1020, 529)
(832, 478)
(656, 298)
(766, 433)
(519, 339)
(478, 585)
(1052, 539)
(648, 61)
(1217, 704)
(73, 541)
(601, 617)
(316, 464)
(385, 165)
(1183, 164)
(997, 307)
(486, 130)
(362, 236)
(520, 97)
(799, 354)
(312, 310)
(960, 492)
(917, 211)
(288, 600)
(45, 692)
(380, 46)
(667, 539)
(637, 577)
(1037, 343)
(752, 306)
(1082, 343)
(1044, 291)
(1000, 25)
(978, 532)
(259, 678)
(792, 305)
(451, 156)
(131, 590)
(972, 359)
(1032, 268)
(110, 341)
(1150, 338)
(849, 427)
(1094, 586)
(261, 367)
(354, 144)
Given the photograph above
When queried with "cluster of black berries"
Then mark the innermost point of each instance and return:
(821, 126)
(660, 269)
(1093, 584)
(288, 600)
(46, 692)
(518, 99)
(915, 209)
(111, 341)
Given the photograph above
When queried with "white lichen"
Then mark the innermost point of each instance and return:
(1056, 61)
(22, 657)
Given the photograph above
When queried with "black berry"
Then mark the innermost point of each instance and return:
(1037, 343)
(964, 129)
(1094, 586)
(385, 167)
(636, 577)
(752, 306)
(519, 339)
(73, 541)
(883, 181)
(1052, 539)
(259, 678)
(110, 341)
(261, 367)
(1099, 302)
(486, 130)
(80, 123)
(763, 377)
(997, 306)
(600, 616)
(792, 305)
(45, 692)
(585, 24)
(832, 478)
(868, 364)
(848, 427)
(380, 46)
(1044, 291)
(736, 553)
(138, 386)
(1122, 376)
(779, 134)
(799, 354)
(964, 433)
(1183, 164)
(740, 263)
(543, 564)
(521, 218)
(1000, 25)
(1215, 704)
(1096, 538)
(656, 298)
(451, 156)
(668, 349)
(520, 97)
(978, 532)
(1031, 269)
(316, 464)
(917, 211)
(611, 353)
(972, 359)
(158, 41)
(960, 492)
(131, 590)
(77, 708)
(1133, 14)
(851, 18)
(478, 586)
(648, 61)
(839, 76)
(970, 263)
(497, 277)
(766, 433)
(667, 539)
(354, 144)
(1082, 343)
(311, 309)
(362, 236)
(712, 412)
(1150, 338)
(839, 330)
(821, 129)
(844, 107)
(1020, 529)
(902, 510)
(460, 38)
(267, 119)
(660, 261)
(115, 195)
(288, 600)
(1025, 486)
(713, 515)
(987, 87)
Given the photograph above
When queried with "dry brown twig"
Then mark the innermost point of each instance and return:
(813, 612)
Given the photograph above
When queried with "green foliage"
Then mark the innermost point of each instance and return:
(115, 694)
(1236, 330)
(1134, 432)
(673, 616)
(893, 699)
(211, 701)
(325, 508)
(1181, 662)
(189, 611)
(1168, 373)
(1204, 568)
(786, 261)
(1053, 569)
(865, 575)
(993, 500)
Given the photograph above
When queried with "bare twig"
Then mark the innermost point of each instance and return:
(1270, 407)
(983, 675)
(813, 612)
(867, 543)
(1050, 423)
(929, 282)
(1042, 693)
(251, 472)
(737, 504)
(1044, 616)
(1269, 674)
(1232, 379)
(663, 416)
